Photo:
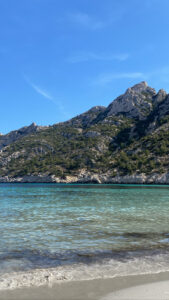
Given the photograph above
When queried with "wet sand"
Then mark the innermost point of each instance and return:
(130, 287)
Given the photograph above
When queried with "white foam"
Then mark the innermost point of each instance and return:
(108, 269)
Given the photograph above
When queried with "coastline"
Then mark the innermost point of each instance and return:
(88, 178)
(154, 286)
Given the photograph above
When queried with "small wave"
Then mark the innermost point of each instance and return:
(108, 268)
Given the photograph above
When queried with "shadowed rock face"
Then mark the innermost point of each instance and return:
(160, 96)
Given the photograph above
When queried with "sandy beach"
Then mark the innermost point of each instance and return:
(130, 287)
(153, 291)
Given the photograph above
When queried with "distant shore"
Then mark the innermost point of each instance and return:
(140, 287)
(91, 178)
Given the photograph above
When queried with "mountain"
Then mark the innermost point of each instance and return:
(126, 142)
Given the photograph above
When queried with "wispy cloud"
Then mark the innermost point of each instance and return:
(39, 90)
(104, 79)
(88, 56)
(45, 94)
(42, 92)
(86, 21)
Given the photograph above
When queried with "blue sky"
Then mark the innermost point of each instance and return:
(60, 58)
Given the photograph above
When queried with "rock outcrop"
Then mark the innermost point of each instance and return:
(15, 135)
(137, 102)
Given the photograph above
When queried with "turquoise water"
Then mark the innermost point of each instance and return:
(44, 226)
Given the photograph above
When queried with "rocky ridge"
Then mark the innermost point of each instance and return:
(15, 135)
(127, 142)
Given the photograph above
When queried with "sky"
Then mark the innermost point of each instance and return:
(59, 58)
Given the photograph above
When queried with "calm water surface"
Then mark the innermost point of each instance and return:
(49, 225)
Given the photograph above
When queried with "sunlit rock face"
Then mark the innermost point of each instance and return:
(136, 102)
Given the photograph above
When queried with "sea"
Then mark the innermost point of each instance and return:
(67, 232)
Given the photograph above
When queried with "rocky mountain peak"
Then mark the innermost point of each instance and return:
(33, 125)
(160, 96)
(140, 88)
(136, 102)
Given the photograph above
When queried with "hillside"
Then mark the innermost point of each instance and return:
(128, 141)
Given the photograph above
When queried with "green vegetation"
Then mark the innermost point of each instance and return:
(62, 151)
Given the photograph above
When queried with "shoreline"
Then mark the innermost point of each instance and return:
(88, 178)
(86, 183)
(127, 287)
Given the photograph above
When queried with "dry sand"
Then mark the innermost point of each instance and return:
(150, 291)
(130, 287)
